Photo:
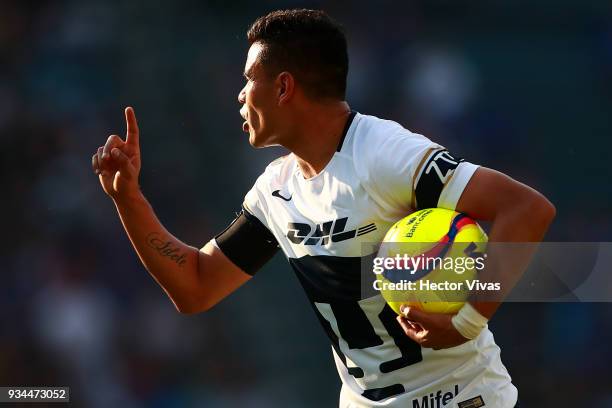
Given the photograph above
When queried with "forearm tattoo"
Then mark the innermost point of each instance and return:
(166, 248)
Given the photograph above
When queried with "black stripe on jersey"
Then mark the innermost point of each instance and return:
(367, 226)
(366, 232)
(354, 326)
(411, 351)
(354, 371)
(247, 242)
(434, 175)
(365, 229)
(328, 279)
(377, 394)
(346, 128)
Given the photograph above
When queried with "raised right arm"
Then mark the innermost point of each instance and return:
(195, 280)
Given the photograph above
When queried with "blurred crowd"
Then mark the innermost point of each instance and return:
(524, 88)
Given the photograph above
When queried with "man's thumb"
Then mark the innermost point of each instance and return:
(413, 314)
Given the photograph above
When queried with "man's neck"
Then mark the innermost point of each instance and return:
(318, 136)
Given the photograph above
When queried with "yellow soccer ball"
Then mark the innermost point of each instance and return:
(437, 254)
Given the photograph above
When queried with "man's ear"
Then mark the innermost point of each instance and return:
(286, 87)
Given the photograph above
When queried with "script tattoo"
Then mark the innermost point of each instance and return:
(166, 248)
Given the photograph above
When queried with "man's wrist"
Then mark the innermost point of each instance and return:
(129, 200)
(469, 322)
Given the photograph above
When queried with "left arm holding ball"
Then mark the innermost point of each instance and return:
(517, 213)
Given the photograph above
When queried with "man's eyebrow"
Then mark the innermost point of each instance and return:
(247, 74)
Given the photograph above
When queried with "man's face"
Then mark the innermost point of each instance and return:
(259, 101)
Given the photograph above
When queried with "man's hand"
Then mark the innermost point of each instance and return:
(117, 163)
(430, 330)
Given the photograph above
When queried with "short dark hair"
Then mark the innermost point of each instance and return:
(307, 43)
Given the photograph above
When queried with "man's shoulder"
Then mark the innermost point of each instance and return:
(376, 139)
(372, 131)
(375, 122)
(277, 171)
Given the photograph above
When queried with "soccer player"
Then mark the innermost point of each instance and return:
(348, 178)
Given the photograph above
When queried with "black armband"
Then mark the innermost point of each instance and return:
(247, 242)
(436, 172)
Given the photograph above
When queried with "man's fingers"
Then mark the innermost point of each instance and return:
(94, 163)
(99, 162)
(409, 329)
(125, 166)
(413, 314)
(133, 134)
(112, 142)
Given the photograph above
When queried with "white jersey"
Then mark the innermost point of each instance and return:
(380, 173)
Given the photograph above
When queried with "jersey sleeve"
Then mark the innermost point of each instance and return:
(247, 241)
(440, 180)
(404, 170)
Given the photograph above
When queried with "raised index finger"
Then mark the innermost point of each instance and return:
(132, 137)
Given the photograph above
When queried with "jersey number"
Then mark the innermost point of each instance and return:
(351, 322)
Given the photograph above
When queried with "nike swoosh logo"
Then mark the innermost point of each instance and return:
(276, 193)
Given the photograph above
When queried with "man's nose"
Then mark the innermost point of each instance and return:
(242, 96)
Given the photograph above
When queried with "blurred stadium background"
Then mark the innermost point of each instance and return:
(524, 87)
